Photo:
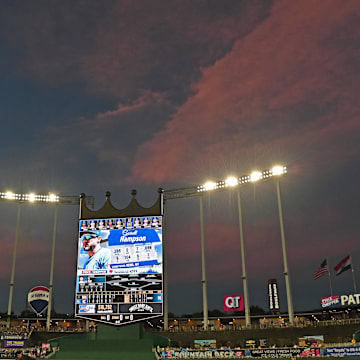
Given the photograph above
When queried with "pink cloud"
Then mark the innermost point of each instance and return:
(146, 100)
(294, 65)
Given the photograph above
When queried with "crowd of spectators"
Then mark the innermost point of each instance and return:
(36, 352)
(197, 324)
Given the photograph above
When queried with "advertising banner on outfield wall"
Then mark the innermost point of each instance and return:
(342, 300)
(201, 354)
(14, 343)
(200, 344)
(343, 351)
(229, 353)
(287, 353)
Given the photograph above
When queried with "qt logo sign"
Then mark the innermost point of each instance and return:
(233, 303)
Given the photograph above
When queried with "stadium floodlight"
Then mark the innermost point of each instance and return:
(31, 197)
(53, 198)
(255, 176)
(231, 181)
(210, 185)
(9, 195)
(235, 183)
(278, 170)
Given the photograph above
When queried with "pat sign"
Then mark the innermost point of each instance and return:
(342, 300)
(347, 300)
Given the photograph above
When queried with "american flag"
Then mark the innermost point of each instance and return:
(321, 270)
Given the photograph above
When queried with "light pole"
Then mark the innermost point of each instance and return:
(37, 199)
(286, 267)
(12, 276)
(48, 318)
(203, 266)
(231, 182)
(242, 245)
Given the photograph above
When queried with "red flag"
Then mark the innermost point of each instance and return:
(343, 265)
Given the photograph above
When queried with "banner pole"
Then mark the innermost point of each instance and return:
(353, 274)
(331, 290)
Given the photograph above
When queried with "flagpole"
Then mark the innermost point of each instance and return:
(331, 290)
(353, 274)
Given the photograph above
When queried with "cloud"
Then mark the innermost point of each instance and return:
(125, 47)
(147, 99)
(140, 59)
(108, 140)
(288, 86)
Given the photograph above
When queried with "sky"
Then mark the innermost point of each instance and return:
(129, 94)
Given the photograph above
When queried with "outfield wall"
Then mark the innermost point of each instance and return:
(274, 336)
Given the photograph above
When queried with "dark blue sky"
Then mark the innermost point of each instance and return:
(143, 95)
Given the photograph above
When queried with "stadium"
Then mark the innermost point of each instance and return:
(121, 307)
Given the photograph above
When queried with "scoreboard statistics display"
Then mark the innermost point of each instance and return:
(119, 269)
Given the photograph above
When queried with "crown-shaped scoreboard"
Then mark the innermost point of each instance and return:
(119, 276)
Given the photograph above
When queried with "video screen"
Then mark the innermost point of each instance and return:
(119, 269)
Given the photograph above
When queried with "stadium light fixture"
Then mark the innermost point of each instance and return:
(31, 197)
(9, 195)
(255, 176)
(233, 181)
(209, 185)
(278, 170)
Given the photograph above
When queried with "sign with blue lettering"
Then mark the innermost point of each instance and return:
(343, 351)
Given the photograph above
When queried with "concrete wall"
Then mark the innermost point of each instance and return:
(277, 336)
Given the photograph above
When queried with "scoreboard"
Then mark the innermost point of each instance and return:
(119, 269)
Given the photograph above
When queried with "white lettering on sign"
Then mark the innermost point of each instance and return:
(353, 299)
(273, 296)
(344, 299)
(276, 298)
(271, 306)
(232, 302)
(329, 301)
(141, 307)
(131, 236)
